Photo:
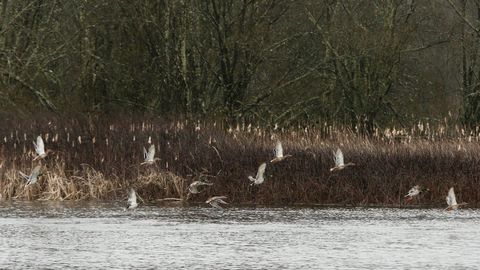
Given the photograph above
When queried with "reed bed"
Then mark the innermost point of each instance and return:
(100, 160)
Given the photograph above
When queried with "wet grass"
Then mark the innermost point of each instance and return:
(100, 160)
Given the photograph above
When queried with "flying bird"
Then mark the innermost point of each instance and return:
(193, 188)
(215, 201)
(278, 152)
(452, 201)
(259, 178)
(415, 191)
(149, 157)
(40, 149)
(339, 163)
(132, 199)
(33, 177)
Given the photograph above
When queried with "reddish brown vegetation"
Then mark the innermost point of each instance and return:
(101, 160)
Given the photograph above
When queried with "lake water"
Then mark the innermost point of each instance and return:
(92, 236)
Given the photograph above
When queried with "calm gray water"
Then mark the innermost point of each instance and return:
(93, 236)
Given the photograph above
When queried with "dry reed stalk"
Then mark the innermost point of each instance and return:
(389, 162)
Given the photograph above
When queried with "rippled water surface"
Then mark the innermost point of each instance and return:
(92, 236)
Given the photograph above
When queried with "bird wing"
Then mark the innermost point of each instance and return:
(215, 198)
(194, 183)
(201, 183)
(214, 201)
(151, 152)
(413, 191)
(409, 193)
(35, 172)
(416, 190)
(39, 146)
(215, 205)
(132, 197)
(451, 200)
(193, 188)
(278, 150)
(261, 170)
(145, 153)
(338, 158)
(221, 201)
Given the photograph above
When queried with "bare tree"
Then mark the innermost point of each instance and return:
(469, 12)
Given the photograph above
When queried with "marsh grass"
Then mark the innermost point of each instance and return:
(100, 160)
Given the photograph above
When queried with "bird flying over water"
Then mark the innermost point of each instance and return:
(40, 149)
(149, 157)
(259, 178)
(132, 199)
(452, 201)
(278, 152)
(415, 191)
(33, 177)
(193, 188)
(215, 201)
(339, 163)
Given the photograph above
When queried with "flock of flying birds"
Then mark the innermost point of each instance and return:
(217, 201)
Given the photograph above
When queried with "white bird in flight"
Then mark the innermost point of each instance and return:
(40, 149)
(415, 191)
(132, 199)
(278, 152)
(259, 178)
(193, 188)
(339, 163)
(215, 201)
(452, 201)
(149, 157)
(33, 177)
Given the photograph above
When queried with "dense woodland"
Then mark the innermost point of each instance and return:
(360, 63)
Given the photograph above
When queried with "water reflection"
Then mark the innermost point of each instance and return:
(94, 235)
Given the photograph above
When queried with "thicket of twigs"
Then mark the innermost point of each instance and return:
(100, 159)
